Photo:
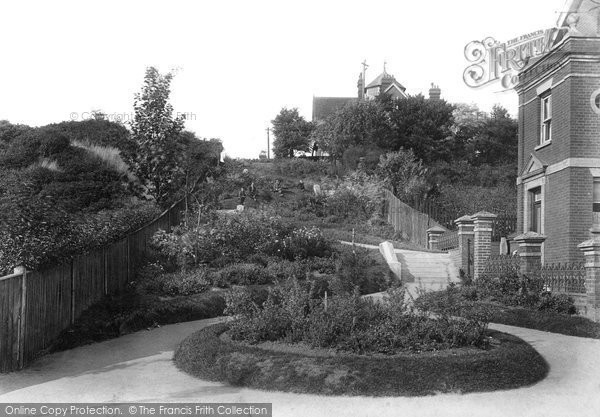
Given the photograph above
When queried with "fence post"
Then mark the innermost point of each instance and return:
(482, 247)
(465, 235)
(23, 319)
(530, 252)
(591, 251)
(433, 237)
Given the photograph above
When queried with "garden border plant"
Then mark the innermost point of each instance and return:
(517, 301)
(300, 340)
(207, 355)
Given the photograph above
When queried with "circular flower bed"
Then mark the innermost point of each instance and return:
(208, 355)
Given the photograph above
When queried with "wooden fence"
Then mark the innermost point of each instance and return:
(35, 307)
(411, 223)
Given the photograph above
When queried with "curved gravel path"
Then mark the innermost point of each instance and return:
(139, 368)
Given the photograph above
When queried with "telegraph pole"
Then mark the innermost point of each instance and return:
(268, 145)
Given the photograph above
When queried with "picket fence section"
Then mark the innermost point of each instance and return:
(35, 307)
(411, 223)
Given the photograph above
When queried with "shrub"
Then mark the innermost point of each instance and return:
(282, 269)
(347, 322)
(241, 274)
(52, 144)
(356, 268)
(222, 239)
(404, 173)
(281, 316)
(358, 196)
(300, 167)
(302, 243)
(510, 289)
(175, 283)
(559, 303)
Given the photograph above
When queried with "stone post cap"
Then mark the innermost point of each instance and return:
(436, 230)
(464, 220)
(530, 237)
(19, 270)
(590, 245)
(484, 215)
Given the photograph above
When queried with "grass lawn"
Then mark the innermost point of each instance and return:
(208, 356)
(547, 321)
(530, 318)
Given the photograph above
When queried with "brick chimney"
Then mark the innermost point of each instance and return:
(435, 93)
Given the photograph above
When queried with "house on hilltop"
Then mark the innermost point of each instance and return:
(384, 83)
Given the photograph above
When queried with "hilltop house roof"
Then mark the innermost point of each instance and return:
(324, 107)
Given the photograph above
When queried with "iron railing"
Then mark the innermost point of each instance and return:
(501, 265)
(567, 278)
(448, 241)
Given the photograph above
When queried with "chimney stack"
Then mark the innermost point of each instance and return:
(435, 93)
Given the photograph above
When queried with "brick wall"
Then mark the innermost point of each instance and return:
(557, 219)
(572, 66)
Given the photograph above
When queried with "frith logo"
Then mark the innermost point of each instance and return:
(492, 61)
(595, 101)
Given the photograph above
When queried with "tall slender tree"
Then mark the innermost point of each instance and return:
(155, 132)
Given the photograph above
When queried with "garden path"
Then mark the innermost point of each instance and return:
(139, 368)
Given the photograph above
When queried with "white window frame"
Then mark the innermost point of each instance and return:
(539, 181)
(546, 119)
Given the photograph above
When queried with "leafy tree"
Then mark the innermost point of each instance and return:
(363, 124)
(496, 142)
(155, 132)
(421, 125)
(292, 133)
(404, 173)
(468, 122)
(200, 160)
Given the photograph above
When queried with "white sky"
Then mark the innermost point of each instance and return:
(241, 61)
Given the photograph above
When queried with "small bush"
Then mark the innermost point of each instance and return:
(346, 322)
(558, 303)
(358, 268)
(302, 243)
(281, 316)
(300, 167)
(241, 274)
(175, 283)
(510, 290)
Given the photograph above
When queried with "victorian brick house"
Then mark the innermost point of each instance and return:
(559, 137)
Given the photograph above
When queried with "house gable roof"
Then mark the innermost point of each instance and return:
(395, 90)
(324, 107)
(385, 78)
(534, 166)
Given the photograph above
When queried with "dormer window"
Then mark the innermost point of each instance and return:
(546, 119)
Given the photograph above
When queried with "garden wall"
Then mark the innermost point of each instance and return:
(35, 307)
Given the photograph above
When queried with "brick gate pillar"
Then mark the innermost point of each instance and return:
(591, 251)
(433, 237)
(482, 248)
(466, 238)
(530, 252)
